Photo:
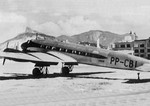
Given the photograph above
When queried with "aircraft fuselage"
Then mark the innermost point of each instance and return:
(86, 54)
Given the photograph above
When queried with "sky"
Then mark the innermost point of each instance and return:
(69, 17)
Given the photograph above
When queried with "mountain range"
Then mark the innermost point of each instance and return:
(106, 38)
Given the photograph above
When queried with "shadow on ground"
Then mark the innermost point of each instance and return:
(87, 75)
(18, 76)
(134, 81)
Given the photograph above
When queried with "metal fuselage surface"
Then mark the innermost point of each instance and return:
(86, 54)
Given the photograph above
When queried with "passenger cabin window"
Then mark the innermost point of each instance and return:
(50, 47)
(82, 53)
(42, 46)
(57, 48)
(53, 48)
(63, 50)
(69, 51)
(77, 52)
(46, 47)
(88, 54)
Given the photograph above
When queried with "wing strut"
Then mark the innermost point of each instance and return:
(4, 61)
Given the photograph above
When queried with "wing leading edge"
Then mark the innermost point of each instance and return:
(24, 57)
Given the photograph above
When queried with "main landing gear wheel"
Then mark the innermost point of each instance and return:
(65, 70)
(36, 72)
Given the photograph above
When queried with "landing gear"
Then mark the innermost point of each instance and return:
(39, 71)
(138, 76)
(36, 72)
(66, 69)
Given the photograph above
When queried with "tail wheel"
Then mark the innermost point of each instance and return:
(36, 72)
(65, 70)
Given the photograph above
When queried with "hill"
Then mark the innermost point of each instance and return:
(106, 38)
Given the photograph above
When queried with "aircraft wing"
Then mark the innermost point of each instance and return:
(26, 57)
(145, 67)
(67, 60)
(50, 58)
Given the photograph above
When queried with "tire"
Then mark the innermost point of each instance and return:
(65, 70)
(36, 72)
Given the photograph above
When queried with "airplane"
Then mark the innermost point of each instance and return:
(47, 51)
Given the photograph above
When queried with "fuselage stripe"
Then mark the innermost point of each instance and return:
(65, 50)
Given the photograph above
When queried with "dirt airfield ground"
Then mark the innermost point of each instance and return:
(85, 86)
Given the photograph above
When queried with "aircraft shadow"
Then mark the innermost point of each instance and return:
(134, 81)
(128, 81)
(18, 76)
(87, 75)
